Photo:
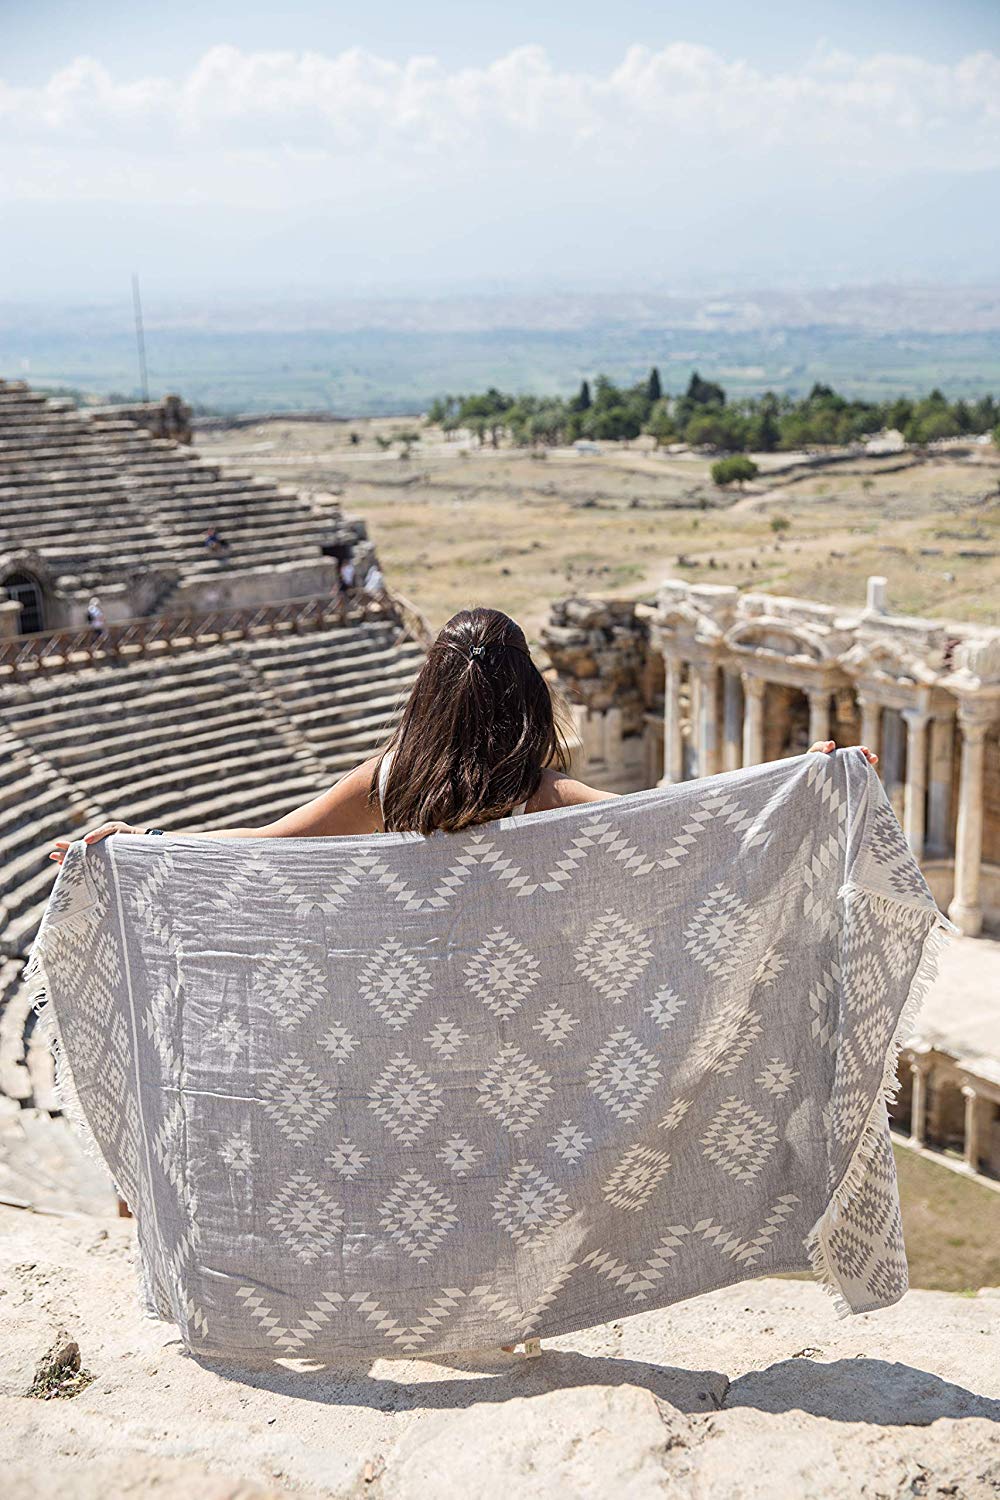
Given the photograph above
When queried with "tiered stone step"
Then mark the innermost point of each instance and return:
(36, 806)
(230, 736)
(344, 689)
(95, 496)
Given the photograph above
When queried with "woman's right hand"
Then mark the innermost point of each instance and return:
(61, 846)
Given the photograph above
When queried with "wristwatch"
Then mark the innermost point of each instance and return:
(154, 830)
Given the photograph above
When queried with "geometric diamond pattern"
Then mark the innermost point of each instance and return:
(569, 1142)
(530, 1205)
(446, 1038)
(613, 955)
(739, 1140)
(514, 1090)
(308, 1223)
(347, 1160)
(502, 973)
(636, 1178)
(417, 1216)
(777, 1078)
(556, 1025)
(624, 1074)
(405, 1099)
(296, 1099)
(722, 931)
(287, 983)
(727, 1038)
(665, 1006)
(339, 1043)
(394, 983)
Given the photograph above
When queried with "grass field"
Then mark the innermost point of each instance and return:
(951, 1225)
(458, 525)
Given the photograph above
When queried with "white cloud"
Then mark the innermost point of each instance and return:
(881, 111)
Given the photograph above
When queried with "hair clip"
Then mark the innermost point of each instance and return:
(476, 651)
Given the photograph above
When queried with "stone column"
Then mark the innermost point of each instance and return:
(10, 617)
(754, 689)
(871, 722)
(918, 1104)
(915, 791)
(939, 793)
(892, 755)
(707, 725)
(732, 732)
(965, 909)
(673, 748)
(971, 1153)
(819, 714)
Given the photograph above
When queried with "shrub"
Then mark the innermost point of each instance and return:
(735, 470)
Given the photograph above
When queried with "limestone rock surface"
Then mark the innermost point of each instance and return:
(755, 1392)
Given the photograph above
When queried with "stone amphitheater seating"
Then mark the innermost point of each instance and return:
(232, 734)
(95, 496)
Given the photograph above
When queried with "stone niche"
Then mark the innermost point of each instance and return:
(600, 651)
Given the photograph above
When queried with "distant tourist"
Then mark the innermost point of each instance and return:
(374, 582)
(347, 575)
(215, 543)
(95, 616)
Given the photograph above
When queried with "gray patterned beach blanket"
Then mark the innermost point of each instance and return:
(395, 1095)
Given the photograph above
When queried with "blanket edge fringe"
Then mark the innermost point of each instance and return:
(937, 937)
(36, 984)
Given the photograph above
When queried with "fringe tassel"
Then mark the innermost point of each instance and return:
(67, 1097)
(870, 1140)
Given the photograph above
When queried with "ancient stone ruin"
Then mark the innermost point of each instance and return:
(223, 685)
(710, 679)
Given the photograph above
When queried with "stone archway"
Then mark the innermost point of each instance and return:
(24, 589)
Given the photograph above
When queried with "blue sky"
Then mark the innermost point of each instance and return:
(234, 149)
(38, 37)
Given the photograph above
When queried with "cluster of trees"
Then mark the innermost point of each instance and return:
(704, 417)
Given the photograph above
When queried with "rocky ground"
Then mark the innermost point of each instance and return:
(757, 1391)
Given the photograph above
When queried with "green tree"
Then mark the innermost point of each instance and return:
(581, 401)
(661, 424)
(704, 392)
(735, 470)
(654, 389)
(485, 413)
(717, 427)
(764, 432)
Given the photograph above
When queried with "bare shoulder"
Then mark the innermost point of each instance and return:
(557, 789)
(344, 808)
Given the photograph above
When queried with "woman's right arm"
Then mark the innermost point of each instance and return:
(343, 809)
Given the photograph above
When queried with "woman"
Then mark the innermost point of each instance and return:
(478, 740)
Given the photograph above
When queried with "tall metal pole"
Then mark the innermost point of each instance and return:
(140, 337)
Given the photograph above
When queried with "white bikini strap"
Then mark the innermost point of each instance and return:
(383, 775)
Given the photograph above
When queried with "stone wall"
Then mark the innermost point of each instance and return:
(168, 418)
(600, 651)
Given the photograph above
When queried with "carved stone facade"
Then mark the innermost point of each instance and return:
(729, 679)
(950, 1104)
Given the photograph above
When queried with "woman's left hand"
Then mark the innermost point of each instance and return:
(825, 747)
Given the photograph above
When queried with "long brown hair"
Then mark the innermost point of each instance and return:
(480, 725)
